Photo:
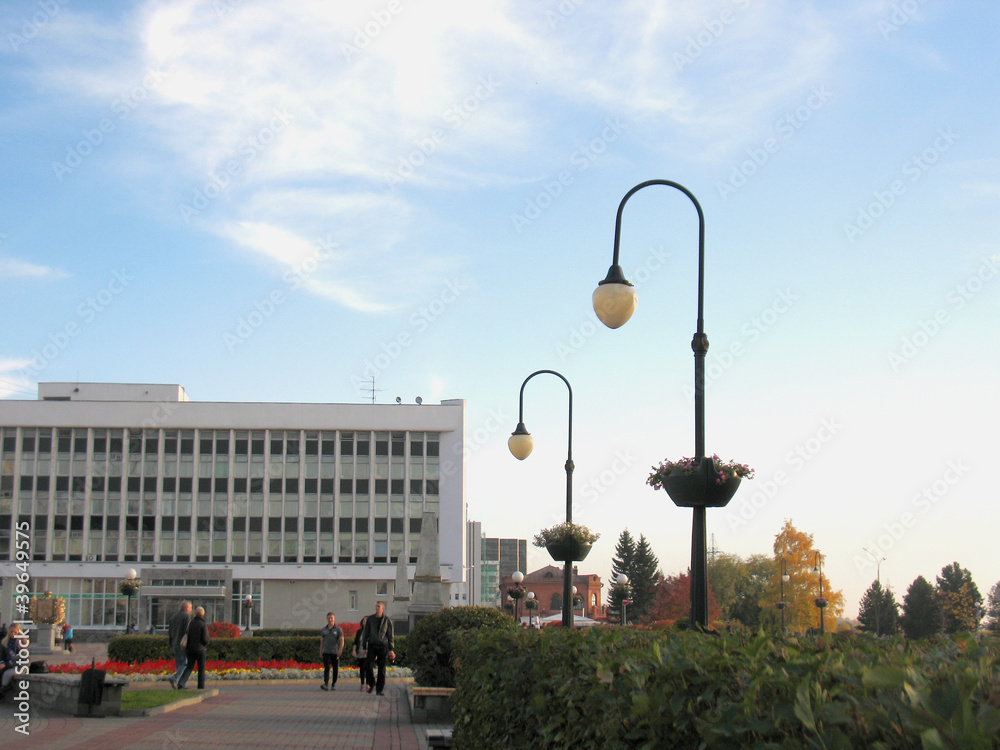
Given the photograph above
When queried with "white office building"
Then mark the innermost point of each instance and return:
(303, 508)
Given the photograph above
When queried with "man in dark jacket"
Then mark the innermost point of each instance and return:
(197, 644)
(177, 628)
(378, 641)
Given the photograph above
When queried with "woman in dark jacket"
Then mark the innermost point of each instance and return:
(363, 665)
(197, 642)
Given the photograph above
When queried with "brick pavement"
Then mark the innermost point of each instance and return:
(292, 714)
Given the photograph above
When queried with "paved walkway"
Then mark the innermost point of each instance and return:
(296, 714)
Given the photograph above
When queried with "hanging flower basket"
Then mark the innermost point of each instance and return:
(781, 605)
(692, 483)
(566, 542)
(821, 601)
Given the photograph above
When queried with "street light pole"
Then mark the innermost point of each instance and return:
(614, 302)
(782, 604)
(521, 444)
(516, 593)
(129, 586)
(820, 601)
(248, 606)
(622, 580)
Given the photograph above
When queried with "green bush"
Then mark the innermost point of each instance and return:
(623, 688)
(430, 642)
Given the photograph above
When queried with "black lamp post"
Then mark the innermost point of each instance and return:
(516, 592)
(248, 608)
(821, 601)
(614, 302)
(520, 444)
(782, 604)
(129, 586)
(530, 604)
(622, 580)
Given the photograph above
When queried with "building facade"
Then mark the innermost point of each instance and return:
(547, 586)
(500, 558)
(303, 508)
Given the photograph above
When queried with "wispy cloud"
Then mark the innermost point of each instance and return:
(12, 267)
(442, 94)
(12, 382)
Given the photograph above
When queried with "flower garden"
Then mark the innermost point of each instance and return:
(155, 670)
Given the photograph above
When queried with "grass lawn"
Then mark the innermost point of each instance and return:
(143, 699)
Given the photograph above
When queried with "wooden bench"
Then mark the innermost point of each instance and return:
(61, 692)
(429, 703)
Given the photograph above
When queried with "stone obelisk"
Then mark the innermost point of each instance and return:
(427, 586)
(401, 595)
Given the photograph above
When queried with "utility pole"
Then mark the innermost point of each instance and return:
(878, 579)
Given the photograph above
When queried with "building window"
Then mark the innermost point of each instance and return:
(354, 601)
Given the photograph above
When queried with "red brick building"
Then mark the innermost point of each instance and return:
(547, 585)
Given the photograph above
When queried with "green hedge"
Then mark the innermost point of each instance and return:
(432, 637)
(626, 688)
(132, 649)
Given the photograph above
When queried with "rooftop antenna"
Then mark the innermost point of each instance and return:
(372, 390)
(713, 549)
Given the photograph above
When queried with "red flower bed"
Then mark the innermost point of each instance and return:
(167, 666)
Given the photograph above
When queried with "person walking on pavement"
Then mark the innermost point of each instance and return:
(177, 628)
(197, 643)
(378, 642)
(358, 649)
(331, 646)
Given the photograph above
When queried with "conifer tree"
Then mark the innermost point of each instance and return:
(921, 615)
(620, 563)
(879, 612)
(959, 599)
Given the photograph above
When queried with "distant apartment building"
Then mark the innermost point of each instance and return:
(302, 508)
(500, 558)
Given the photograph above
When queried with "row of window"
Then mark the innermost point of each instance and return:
(213, 442)
(240, 485)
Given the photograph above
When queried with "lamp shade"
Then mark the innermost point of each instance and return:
(614, 302)
(520, 442)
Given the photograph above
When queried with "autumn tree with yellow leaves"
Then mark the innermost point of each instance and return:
(803, 564)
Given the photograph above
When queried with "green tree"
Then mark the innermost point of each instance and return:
(921, 615)
(622, 562)
(879, 612)
(993, 608)
(642, 579)
(959, 598)
(741, 587)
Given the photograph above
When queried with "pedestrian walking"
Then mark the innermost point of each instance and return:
(331, 646)
(197, 645)
(177, 628)
(378, 642)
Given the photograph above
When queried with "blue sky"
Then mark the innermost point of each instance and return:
(278, 204)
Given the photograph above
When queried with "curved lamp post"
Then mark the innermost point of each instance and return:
(129, 586)
(520, 444)
(248, 606)
(614, 302)
(821, 600)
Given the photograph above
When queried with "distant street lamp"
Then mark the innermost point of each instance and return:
(622, 580)
(530, 604)
(129, 586)
(248, 606)
(520, 444)
(821, 600)
(614, 302)
(782, 604)
(516, 592)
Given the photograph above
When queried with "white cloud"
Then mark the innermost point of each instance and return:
(12, 267)
(12, 383)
